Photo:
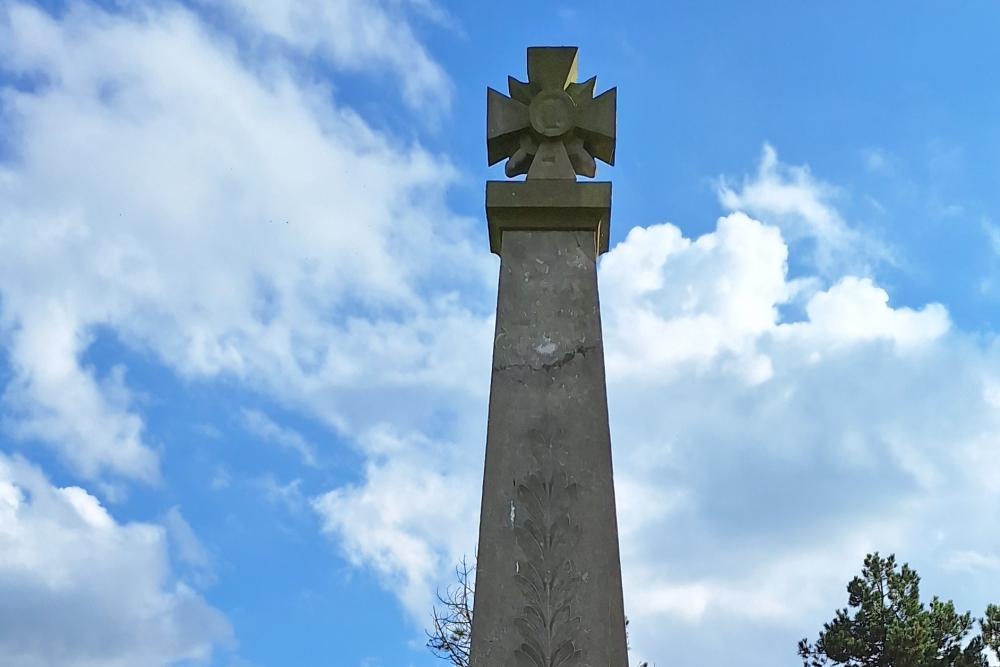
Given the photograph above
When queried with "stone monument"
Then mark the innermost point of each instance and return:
(548, 579)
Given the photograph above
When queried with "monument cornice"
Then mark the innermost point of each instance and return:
(548, 205)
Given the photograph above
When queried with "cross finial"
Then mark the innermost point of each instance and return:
(551, 126)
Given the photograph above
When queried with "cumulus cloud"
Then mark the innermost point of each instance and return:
(79, 589)
(855, 309)
(230, 221)
(721, 291)
(803, 207)
(787, 448)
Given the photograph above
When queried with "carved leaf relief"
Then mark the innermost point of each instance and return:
(547, 577)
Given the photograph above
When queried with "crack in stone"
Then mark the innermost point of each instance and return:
(581, 350)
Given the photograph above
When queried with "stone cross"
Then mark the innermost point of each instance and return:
(548, 578)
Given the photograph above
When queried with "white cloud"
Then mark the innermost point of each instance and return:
(802, 206)
(971, 561)
(789, 193)
(722, 291)
(231, 222)
(878, 160)
(855, 435)
(55, 399)
(768, 590)
(259, 424)
(409, 519)
(78, 589)
(854, 309)
(356, 35)
(992, 231)
(288, 496)
(188, 548)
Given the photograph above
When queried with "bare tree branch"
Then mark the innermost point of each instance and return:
(451, 634)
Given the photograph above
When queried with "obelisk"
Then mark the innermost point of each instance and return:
(548, 578)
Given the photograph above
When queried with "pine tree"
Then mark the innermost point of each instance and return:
(888, 626)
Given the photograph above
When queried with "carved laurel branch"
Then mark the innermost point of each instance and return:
(547, 577)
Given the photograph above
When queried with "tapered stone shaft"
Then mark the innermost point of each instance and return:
(548, 579)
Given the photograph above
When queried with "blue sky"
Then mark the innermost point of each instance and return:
(246, 307)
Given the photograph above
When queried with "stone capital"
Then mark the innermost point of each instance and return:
(548, 205)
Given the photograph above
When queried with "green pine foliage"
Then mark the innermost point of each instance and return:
(887, 625)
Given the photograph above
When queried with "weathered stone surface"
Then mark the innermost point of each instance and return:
(548, 581)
